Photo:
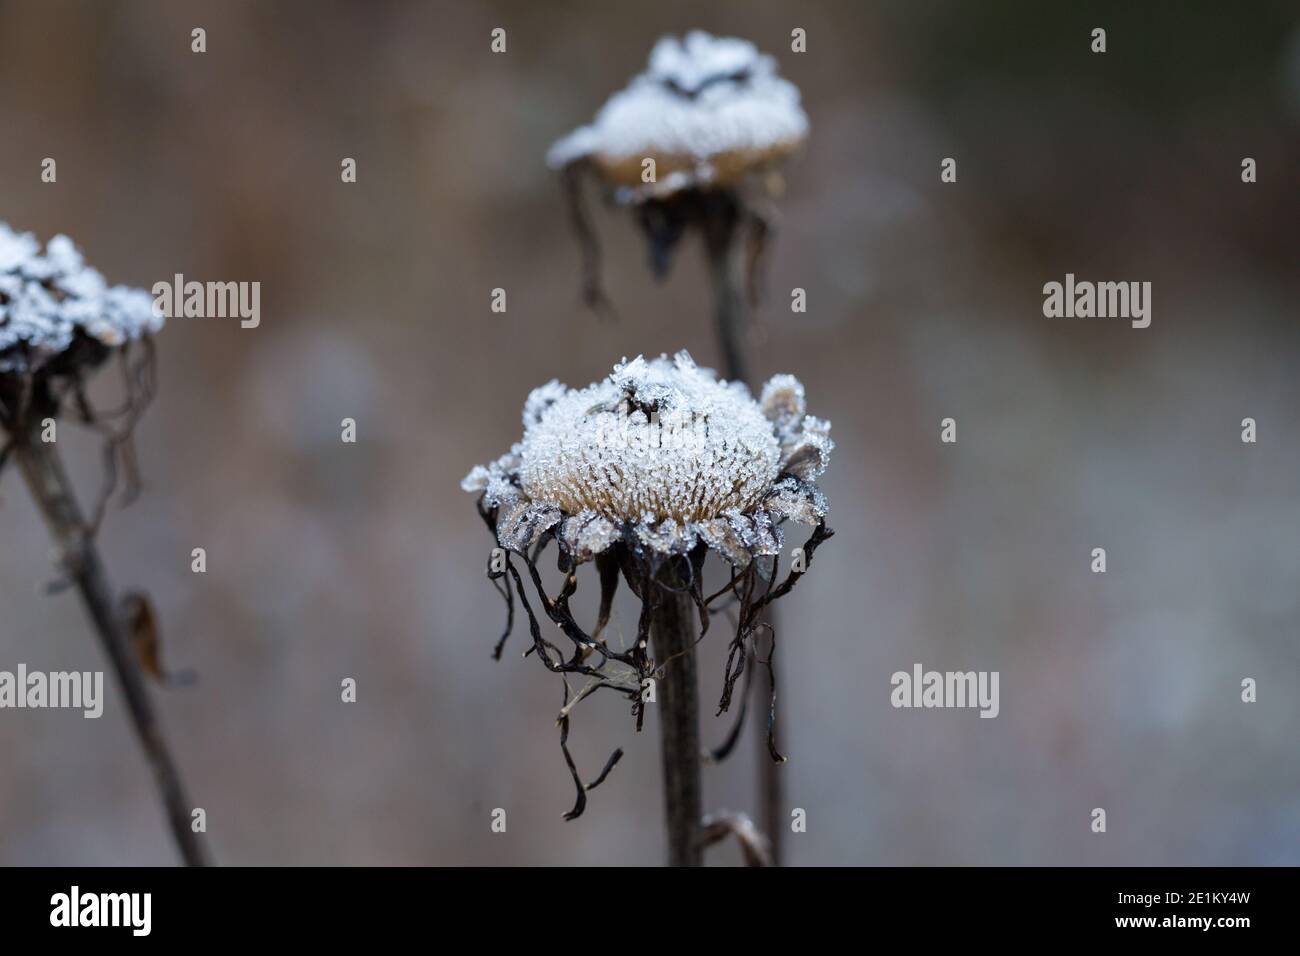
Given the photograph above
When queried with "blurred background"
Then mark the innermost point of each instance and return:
(328, 560)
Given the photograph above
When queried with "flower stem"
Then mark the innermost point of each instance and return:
(724, 248)
(722, 245)
(53, 493)
(673, 632)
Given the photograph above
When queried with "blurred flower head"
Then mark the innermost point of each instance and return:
(53, 306)
(59, 321)
(708, 110)
(695, 140)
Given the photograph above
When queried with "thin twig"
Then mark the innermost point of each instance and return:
(53, 493)
(755, 847)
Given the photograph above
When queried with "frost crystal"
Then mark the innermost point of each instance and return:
(47, 298)
(708, 110)
(660, 440)
(665, 452)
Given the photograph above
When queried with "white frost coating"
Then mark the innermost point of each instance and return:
(656, 440)
(700, 99)
(701, 59)
(46, 297)
(663, 452)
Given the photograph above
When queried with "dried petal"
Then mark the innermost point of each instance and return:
(667, 536)
(722, 537)
(784, 404)
(806, 453)
(520, 523)
(587, 534)
(799, 501)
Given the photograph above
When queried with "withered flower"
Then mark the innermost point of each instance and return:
(661, 455)
(644, 474)
(53, 304)
(59, 321)
(709, 111)
(694, 140)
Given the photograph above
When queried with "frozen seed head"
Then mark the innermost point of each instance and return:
(646, 472)
(49, 298)
(657, 440)
(664, 450)
(708, 110)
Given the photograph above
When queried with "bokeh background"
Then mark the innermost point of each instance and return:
(328, 560)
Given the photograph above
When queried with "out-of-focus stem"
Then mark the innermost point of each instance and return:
(771, 785)
(673, 632)
(725, 252)
(53, 493)
(726, 271)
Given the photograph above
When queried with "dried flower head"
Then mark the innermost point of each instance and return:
(708, 110)
(645, 473)
(694, 140)
(52, 304)
(59, 320)
(663, 454)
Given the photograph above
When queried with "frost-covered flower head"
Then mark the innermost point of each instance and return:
(52, 303)
(644, 474)
(694, 141)
(59, 320)
(708, 110)
(664, 456)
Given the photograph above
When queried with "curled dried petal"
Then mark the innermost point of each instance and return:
(587, 534)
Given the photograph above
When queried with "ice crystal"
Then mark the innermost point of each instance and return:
(655, 439)
(664, 451)
(47, 298)
(707, 109)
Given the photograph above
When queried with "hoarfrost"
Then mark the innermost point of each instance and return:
(700, 99)
(658, 439)
(47, 297)
(664, 449)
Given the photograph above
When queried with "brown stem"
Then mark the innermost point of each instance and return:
(673, 632)
(722, 228)
(771, 784)
(721, 224)
(52, 490)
